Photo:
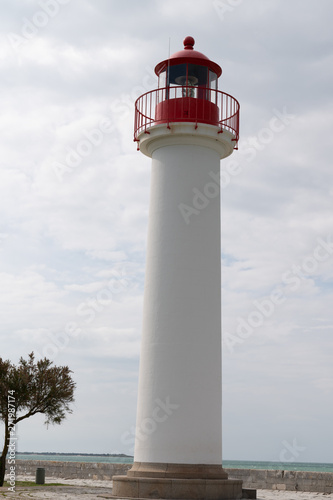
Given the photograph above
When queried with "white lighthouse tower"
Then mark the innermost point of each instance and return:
(186, 126)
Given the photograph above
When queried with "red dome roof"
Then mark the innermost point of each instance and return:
(188, 55)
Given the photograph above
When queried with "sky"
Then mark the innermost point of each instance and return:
(74, 196)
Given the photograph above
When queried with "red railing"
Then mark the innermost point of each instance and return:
(187, 104)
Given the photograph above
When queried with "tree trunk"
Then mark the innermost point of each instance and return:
(4, 455)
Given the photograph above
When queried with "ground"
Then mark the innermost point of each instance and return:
(85, 489)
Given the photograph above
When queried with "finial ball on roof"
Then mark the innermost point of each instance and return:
(189, 42)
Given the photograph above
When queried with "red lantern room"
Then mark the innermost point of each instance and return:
(186, 76)
(187, 92)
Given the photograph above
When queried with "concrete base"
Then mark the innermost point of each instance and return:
(177, 481)
(196, 489)
(176, 471)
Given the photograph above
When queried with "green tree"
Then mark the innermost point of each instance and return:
(32, 387)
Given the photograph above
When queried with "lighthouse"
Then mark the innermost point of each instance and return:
(186, 126)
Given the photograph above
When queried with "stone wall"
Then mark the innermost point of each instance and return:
(252, 478)
(72, 470)
(284, 479)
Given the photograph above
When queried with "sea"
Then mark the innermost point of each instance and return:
(227, 464)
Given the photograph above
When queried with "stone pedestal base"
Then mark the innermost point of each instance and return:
(177, 481)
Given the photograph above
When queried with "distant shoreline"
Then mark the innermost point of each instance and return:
(119, 455)
(122, 458)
